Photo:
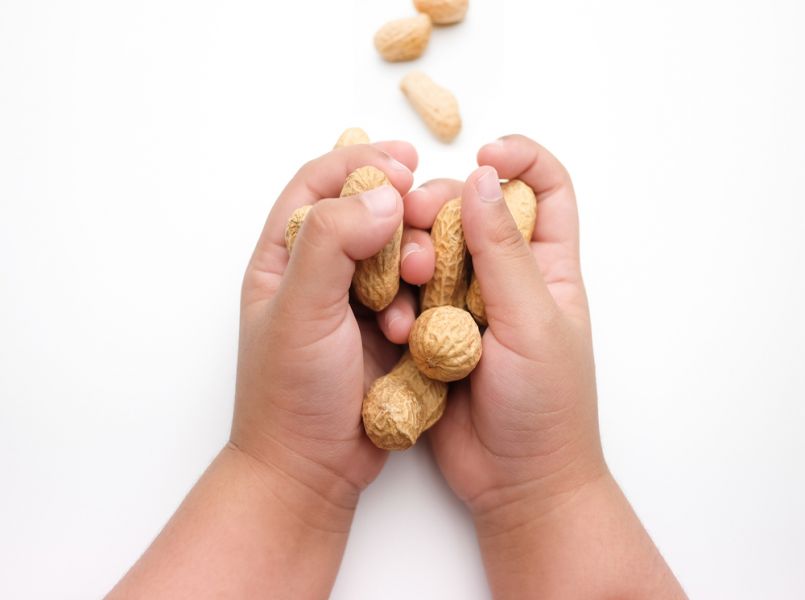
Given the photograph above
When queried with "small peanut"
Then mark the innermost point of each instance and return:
(437, 106)
(445, 343)
(443, 12)
(522, 204)
(352, 137)
(404, 39)
(450, 277)
(400, 406)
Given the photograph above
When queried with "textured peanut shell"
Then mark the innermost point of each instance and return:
(522, 204)
(352, 137)
(377, 279)
(295, 224)
(437, 106)
(400, 406)
(450, 278)
(404, 39)
(443, 12)
(445, 343)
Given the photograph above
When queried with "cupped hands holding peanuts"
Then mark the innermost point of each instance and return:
(518, 438)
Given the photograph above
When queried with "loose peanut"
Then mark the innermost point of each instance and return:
(445, 343)
(443, 12)
(352, 137)
(404, 39)
(450, 277)
(437, 106)
(522, 204)
(400, 406)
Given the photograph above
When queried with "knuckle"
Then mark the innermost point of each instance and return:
(504, 236)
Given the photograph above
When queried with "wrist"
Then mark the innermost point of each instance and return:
(314, 497)
(583, 543)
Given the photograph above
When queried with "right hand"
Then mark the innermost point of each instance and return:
(524, 425)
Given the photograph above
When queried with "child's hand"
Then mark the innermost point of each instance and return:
(306, 357)
(525, 421)
(519, 440)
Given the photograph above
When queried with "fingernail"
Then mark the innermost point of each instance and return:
(417, 192)
(488, 187)
(381, 202)
(409, 249)
(397, 165)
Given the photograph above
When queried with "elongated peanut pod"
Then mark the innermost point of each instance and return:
(522, 203)
(400, 406)
(437, 106)
(445, 343)
(404, 39)
(352, 137)
(377, 279)
(450, 277)
(443, 12)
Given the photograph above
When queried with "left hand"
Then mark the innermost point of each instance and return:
(307, 354)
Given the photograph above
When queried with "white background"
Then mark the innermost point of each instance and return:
(142, 144)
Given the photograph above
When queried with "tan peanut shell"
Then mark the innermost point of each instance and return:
(437, 106)
(445, 343)
(377, 278)
(404, 39)
(522, 204)
(450, 277)
(295, 224)
(352, 137)
(443, 12)
(400, 406)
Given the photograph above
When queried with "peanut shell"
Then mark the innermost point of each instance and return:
(295, 224)
(404, 39)
(445, 343)
(522, 204)
(400, 406)
(352, 137)
(436, 105)
(443, 12)
(450, 276)
(377, 279)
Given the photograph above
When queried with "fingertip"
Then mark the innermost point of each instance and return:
(401, 151)
(416, 212)
(417, 259)
(396, 320)
(382, 202)
(424, 203)
(490, 153)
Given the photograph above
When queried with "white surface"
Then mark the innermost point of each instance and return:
(142, 143)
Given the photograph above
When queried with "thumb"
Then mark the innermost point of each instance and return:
(512, 287)
(336, 233)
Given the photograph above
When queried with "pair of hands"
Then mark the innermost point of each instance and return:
(518, 442)
(522, 430)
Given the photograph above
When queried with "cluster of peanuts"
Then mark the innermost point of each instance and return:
(406, 39)
(444, 344)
